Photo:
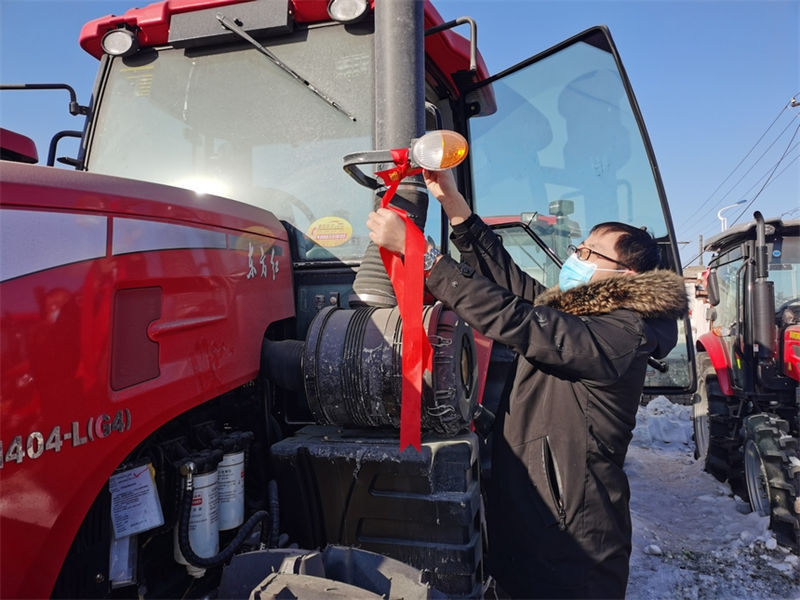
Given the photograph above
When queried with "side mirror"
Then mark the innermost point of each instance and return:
(712, 288)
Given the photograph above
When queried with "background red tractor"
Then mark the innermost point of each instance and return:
(747, 408)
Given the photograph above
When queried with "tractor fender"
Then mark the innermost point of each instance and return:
(720, 360)
(791, 352)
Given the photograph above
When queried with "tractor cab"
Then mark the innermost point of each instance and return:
(268, 122)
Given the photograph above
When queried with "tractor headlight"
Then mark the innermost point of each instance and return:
(347, 11)
(119, 42)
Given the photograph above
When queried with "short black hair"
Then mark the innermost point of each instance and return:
(636, 248)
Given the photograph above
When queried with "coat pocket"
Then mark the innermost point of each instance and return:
(545, 476)
(607, 450)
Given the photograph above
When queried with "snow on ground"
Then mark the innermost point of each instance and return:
(692, 539)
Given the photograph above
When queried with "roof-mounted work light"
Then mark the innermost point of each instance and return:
(347, 11)
(119, 42)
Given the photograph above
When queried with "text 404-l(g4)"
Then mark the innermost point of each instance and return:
(77, 433)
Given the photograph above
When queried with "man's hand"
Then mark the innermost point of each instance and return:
(387, 230)
(442, 186)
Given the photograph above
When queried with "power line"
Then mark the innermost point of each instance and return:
(791, 213)
(699, 208)
(789, 164)
(766, 174)
(746, 193)
(746, 173)
(777, 164)
(770, 175)
(697, 222)
(773, 179)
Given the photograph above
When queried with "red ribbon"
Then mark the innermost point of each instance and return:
(408, 282)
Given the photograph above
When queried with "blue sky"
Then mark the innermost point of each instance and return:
(713, 78)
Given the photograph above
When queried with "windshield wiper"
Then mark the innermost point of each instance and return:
(233, 27)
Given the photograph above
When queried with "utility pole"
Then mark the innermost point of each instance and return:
(700, 242)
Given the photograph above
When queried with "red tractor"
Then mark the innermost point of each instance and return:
(747, 408)
(201, 352)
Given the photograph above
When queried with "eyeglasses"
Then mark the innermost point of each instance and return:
(584, 254)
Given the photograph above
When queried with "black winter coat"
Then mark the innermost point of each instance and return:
(557, 502)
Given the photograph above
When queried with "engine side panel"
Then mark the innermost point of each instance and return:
(115, 319)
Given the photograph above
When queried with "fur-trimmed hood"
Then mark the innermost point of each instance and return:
(653, 294)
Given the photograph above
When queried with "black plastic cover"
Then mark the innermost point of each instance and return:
(259, 18)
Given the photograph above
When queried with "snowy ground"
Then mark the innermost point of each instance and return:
(692, 539)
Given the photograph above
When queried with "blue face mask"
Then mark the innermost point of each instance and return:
(575, 272)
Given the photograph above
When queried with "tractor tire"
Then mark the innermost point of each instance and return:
(772, 472)
(716, 429)
(700, 423)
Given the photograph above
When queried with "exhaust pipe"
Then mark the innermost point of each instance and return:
(763, 296)
(399, 118)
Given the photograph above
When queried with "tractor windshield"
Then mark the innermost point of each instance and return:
(228, 121)
(784, 271)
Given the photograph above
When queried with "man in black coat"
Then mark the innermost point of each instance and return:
(558, 502)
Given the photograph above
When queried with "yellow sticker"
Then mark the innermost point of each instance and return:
(330, 231)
